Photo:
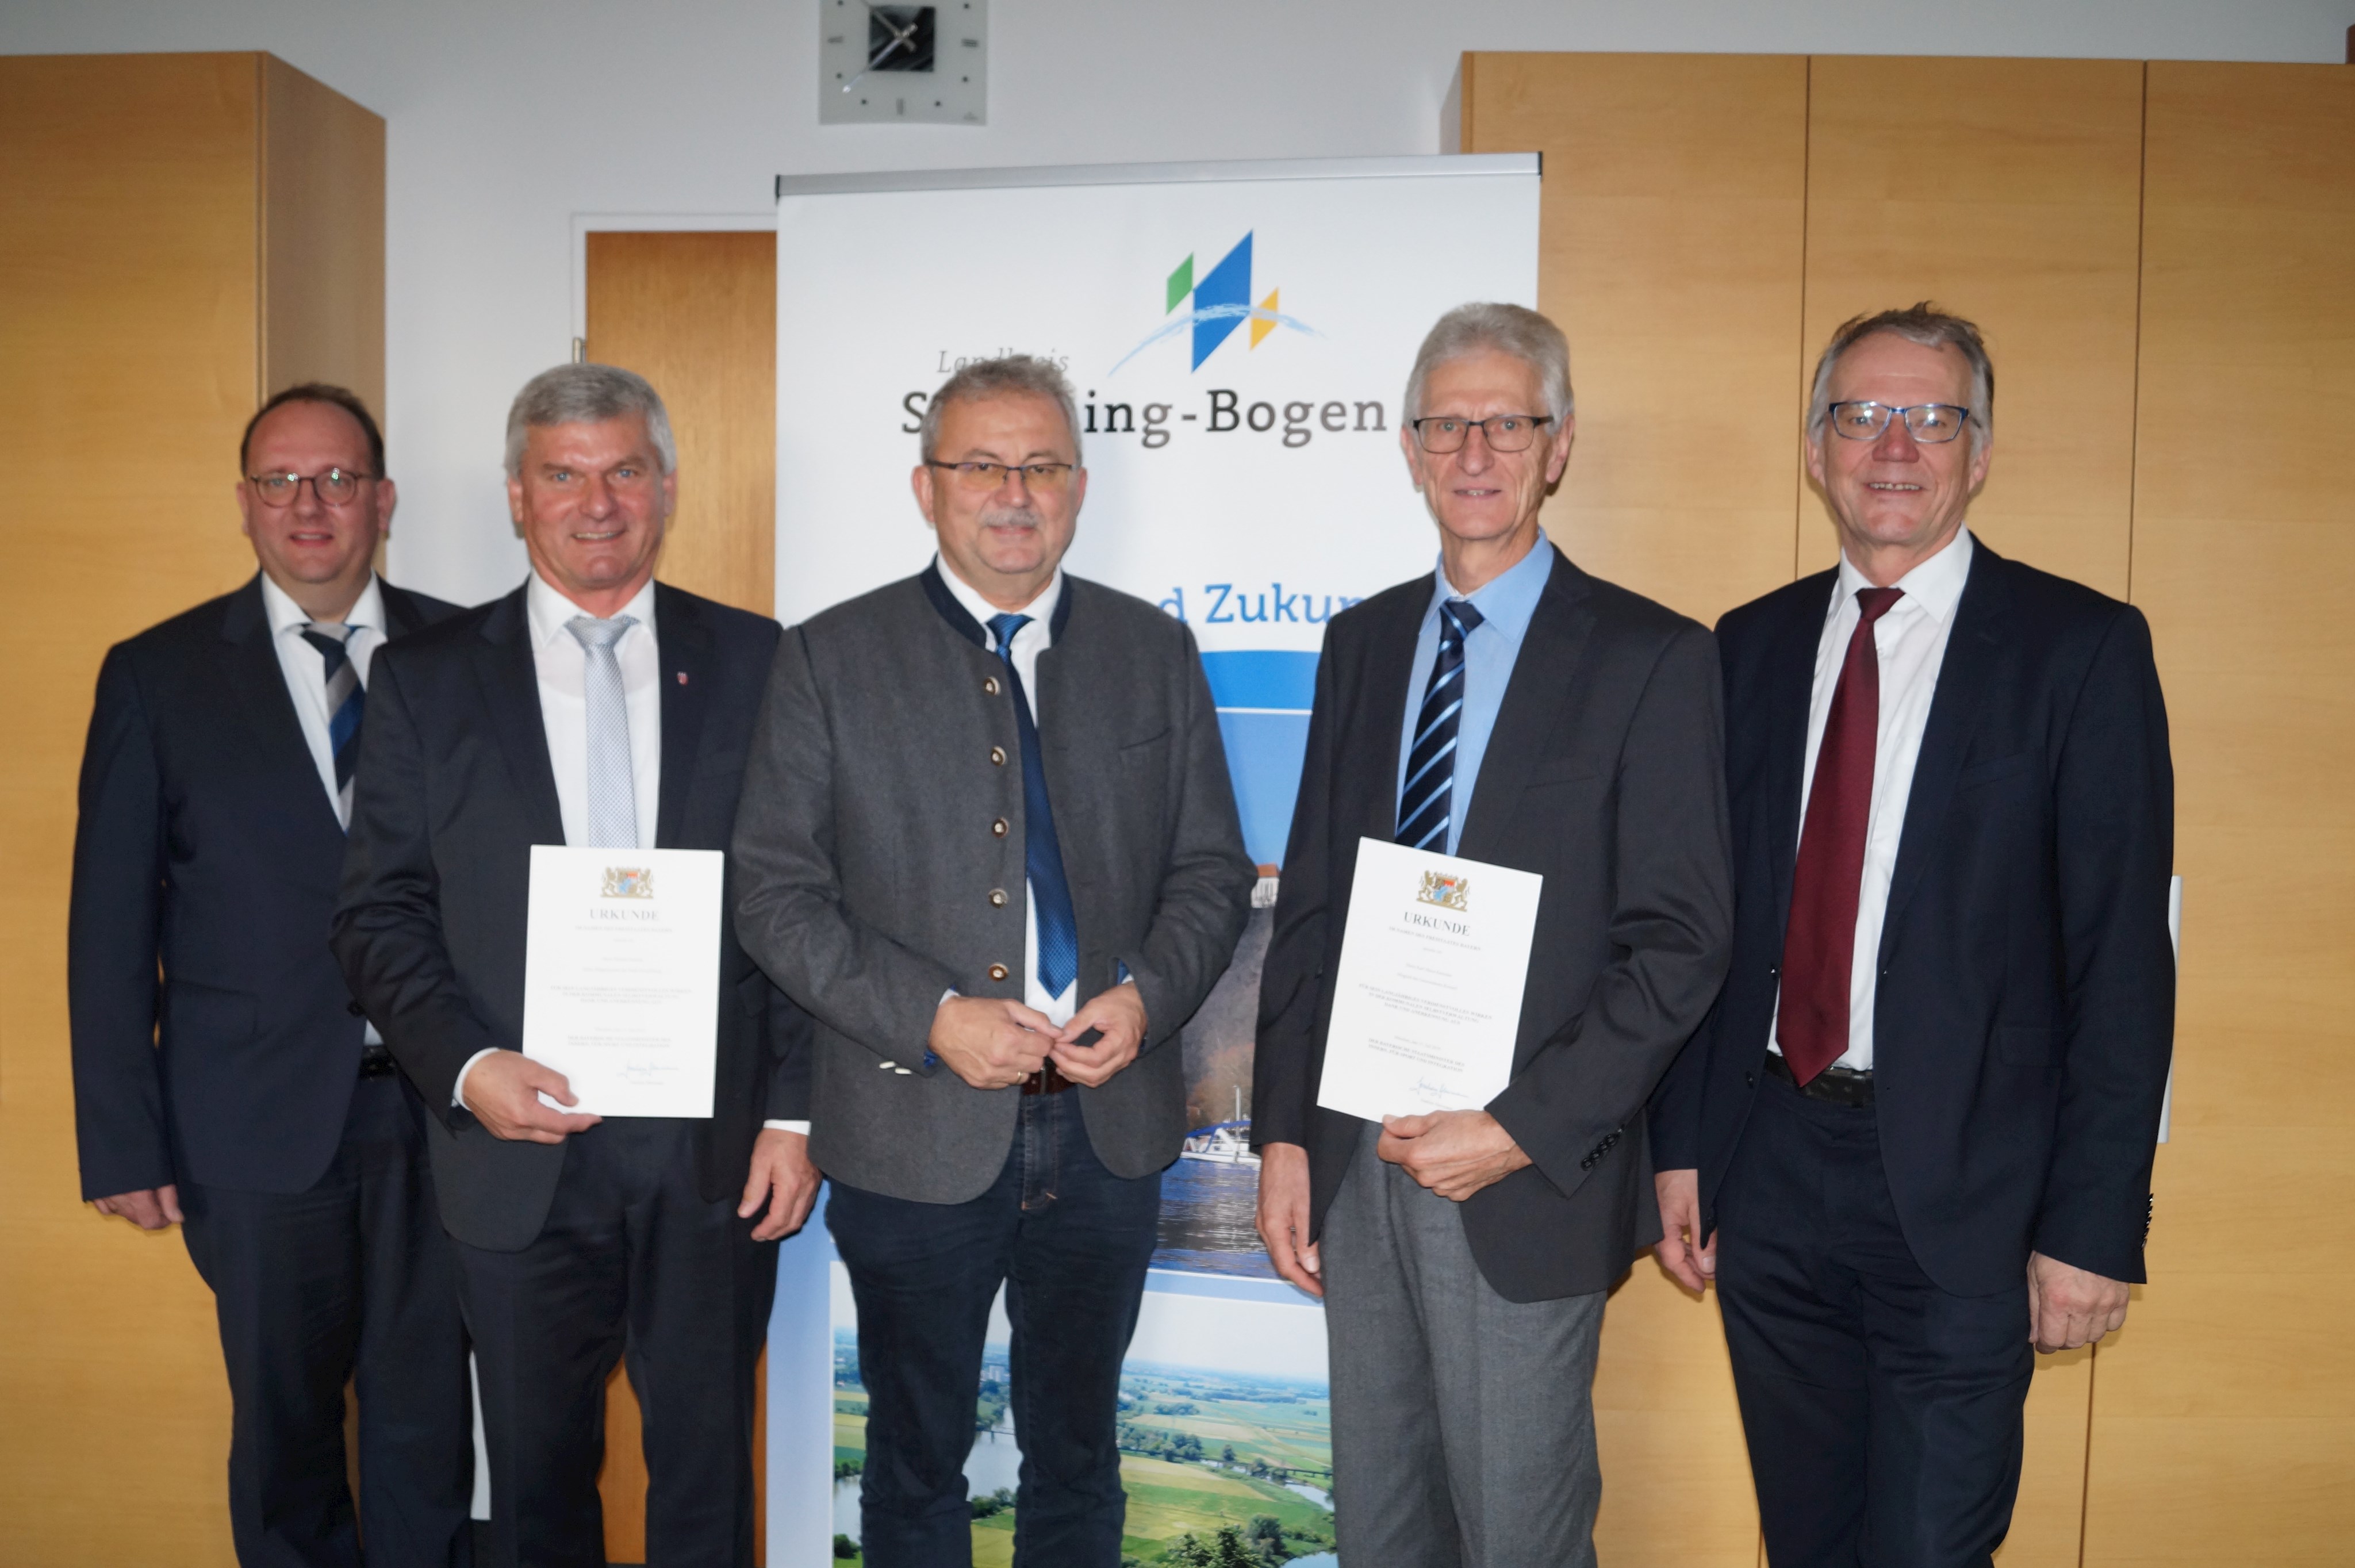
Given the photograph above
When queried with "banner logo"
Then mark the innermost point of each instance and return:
(1447, 889)
(1220, 302)
(628, 882)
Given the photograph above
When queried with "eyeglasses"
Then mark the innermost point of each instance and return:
(1503, 432)
(334, 487)
(1932, 424)
(1046, 477)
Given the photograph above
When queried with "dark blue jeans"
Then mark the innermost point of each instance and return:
(1070, 1240)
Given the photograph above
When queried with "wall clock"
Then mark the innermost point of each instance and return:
(903, 63)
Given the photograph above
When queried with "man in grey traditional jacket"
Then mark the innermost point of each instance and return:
(988, 840)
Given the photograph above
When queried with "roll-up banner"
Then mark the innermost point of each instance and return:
(1239, 336)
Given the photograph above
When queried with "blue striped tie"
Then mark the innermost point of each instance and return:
(346, 702)
(1426, 805)
(1042, 854)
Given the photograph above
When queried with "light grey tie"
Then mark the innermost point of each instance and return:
(613, 791)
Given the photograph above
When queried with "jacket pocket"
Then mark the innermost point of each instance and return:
(2024, 1045)
(1995, 770)
(196, 1014)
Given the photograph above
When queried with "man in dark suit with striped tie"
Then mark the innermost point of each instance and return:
(1912, 1143)
(1513, 710)
(244, 1097)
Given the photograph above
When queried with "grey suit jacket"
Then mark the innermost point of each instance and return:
(869, 865)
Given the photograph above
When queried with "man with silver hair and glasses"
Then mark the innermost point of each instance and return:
(593, 707)
(988, 841)
(1912, 1145)
(1513, 710)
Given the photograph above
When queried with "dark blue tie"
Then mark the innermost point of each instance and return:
(1426, 804)
(1043, 857)
(346, 702)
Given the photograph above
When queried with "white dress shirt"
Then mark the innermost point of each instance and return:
(305, 669)
(1910, 642)
(1029, 643)
(563, 667)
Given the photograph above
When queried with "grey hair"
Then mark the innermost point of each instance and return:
(1924, 324)
(1014, 375)
(588, 394)
(1505, 329)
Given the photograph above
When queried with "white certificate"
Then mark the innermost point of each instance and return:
(621, 976)
(1428, 1000)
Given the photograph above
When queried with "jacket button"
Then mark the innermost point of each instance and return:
(997, 828)
(997, 756)
(998, 971)
(1750, 1081)
(989, 684)
(998, 898)
(1773, 972)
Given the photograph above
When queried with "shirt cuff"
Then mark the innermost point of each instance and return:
(458, 1089)
(789, 1127)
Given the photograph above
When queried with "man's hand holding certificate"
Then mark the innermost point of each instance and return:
(1427, 1005)
(621, 976)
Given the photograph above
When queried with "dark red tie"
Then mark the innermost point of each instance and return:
(1819, 944)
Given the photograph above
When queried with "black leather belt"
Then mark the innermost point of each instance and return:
(1048, 1080)
(1834, 1086)
(375, 1062)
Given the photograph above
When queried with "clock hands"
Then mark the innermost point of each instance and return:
(901, 37)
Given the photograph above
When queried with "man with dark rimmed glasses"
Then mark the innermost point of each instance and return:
(1912, 1145)
(988, 841)
(244, 1097)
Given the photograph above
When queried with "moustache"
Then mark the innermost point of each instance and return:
(1011, 517)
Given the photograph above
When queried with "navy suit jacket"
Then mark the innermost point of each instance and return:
(1604, 775)
(214, 1039)
(454, 788)
(2026, 1003)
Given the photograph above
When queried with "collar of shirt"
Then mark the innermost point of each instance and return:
(549, 611)
(1506, 601)
(1041, 610)
(366, 612)
(1934, 588)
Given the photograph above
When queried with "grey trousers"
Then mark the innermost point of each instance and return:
(1462, 1424)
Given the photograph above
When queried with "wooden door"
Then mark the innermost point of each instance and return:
(696, 314)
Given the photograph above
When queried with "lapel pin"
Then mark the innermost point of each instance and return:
(682, 677)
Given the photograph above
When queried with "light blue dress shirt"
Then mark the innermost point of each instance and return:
(1506, 604)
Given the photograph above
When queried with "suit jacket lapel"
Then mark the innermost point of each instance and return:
(509, 679)
(250, 660)
(685, 647)
(1543, 672)
(1972, 650)
(1790, 692)
(400, 616)
(1388, 671)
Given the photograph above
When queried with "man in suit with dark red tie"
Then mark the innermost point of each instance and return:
(223, 1078)
(1913, 1142)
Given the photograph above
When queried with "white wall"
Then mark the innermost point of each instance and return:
(507, 118)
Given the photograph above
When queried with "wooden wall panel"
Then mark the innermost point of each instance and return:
(322, 237)
(2225, 1413)
(696, 315)
(2008, 191)
(1671, 254)
(131, 292)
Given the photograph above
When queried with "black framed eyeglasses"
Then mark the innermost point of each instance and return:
(334, 487)
(1932, 424)
(1503, 432)
(1043, 476)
